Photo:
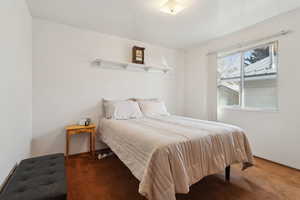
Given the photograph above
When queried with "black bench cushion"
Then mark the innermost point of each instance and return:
(40, 178)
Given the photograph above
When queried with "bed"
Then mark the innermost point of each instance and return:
(168, 154)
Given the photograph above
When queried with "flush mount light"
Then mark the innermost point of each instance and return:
(172, 7)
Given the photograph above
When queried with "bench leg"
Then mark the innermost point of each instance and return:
(227, 173)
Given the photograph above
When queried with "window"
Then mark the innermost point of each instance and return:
(248, 79)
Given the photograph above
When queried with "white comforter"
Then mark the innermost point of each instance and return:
(168, 154)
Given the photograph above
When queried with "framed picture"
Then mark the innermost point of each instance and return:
(138, 55)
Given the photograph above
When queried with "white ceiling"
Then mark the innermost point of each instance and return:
(142, 20)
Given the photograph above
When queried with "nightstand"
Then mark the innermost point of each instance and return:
(76, 129)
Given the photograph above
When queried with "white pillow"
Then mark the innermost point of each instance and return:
(121, 109)
(153, 108)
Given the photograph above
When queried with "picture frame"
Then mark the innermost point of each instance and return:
(138, 55)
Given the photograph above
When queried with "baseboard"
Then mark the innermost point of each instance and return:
(104, 150)
(277, 163)
(8, 177)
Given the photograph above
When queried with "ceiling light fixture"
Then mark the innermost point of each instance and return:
(172, 7)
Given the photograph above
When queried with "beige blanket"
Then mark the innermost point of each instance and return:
(169, 154)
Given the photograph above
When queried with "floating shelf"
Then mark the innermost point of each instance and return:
(113, 64)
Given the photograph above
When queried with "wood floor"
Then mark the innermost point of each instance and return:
(109, 179)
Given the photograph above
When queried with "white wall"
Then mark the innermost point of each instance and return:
(66, 86)
(15, 83)
(273, 135)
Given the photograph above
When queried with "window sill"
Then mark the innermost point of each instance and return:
(250, 109)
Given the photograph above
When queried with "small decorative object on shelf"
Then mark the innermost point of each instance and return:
(138, 55)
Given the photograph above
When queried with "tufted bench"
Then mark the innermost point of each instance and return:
(40, 178)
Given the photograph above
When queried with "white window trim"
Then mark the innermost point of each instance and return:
(241, 106)
(250, 109)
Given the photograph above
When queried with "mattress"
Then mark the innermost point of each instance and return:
(168, 154)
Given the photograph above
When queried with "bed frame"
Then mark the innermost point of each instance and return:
(109, 152)
(227, 173)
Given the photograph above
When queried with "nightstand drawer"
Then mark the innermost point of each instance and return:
(84, 130)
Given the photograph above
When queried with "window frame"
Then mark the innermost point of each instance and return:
(241, 51)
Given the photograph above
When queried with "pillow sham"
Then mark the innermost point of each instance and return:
(121, 109)
(153, 107)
